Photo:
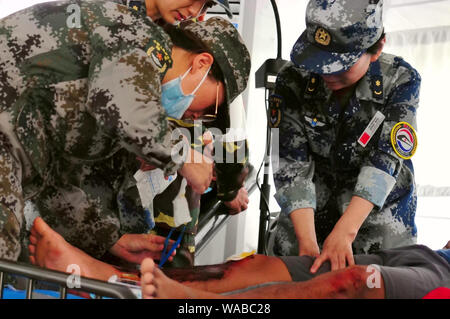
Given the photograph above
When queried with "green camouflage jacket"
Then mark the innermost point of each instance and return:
(79, 82)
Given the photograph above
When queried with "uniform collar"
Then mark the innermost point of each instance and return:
(370, 87)
(138, 5)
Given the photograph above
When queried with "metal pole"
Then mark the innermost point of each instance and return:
(30, 285)
(2, 274)
(62, 292)
(89, 285)
(265, 194)
(270, 67)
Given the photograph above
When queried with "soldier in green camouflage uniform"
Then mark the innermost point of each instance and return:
(230, 178)
(132, 219)
(80, 92)
(345, 176)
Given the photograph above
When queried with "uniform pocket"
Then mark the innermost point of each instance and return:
(320, 137)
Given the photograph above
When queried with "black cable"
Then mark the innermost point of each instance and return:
(264, 158)
(278, 23)
(279, 49)
(266, 202)
(268, 135)
(259, 187)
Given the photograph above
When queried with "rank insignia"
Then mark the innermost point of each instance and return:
(135, 5)
(377, 86)
(312, 84)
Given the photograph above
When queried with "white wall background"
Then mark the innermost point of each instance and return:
(419, 31)
(259, 32)
(10, 6)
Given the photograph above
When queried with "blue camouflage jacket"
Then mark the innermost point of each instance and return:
(322, 142)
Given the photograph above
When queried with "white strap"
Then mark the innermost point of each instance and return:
(201, 82)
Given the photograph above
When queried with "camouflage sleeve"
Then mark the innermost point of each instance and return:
(379, 174)
(11, 203)
(124, 97)
(293, 177)
(231, 164)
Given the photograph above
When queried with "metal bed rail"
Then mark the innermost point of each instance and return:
(34, 274)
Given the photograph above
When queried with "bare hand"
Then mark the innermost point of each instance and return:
(135, 248)
(337, 248)
(448, 245)
(198, 171)
(309, 248)
(239, 204)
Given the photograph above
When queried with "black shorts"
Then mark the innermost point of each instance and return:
(408, 272)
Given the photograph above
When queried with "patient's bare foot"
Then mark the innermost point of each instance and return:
(48, 249)
(155, 284)
(448, 245)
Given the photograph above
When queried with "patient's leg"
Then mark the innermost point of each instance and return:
(155, 284)
(350, 282)
(232, 275)
(345, 283)
(48, 249)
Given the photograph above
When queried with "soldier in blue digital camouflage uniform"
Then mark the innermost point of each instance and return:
(347, 119)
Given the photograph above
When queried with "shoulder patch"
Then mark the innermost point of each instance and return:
(159, 55)
(275, 104)
(404, 140)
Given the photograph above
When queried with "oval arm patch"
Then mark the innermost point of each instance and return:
(404, 140)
